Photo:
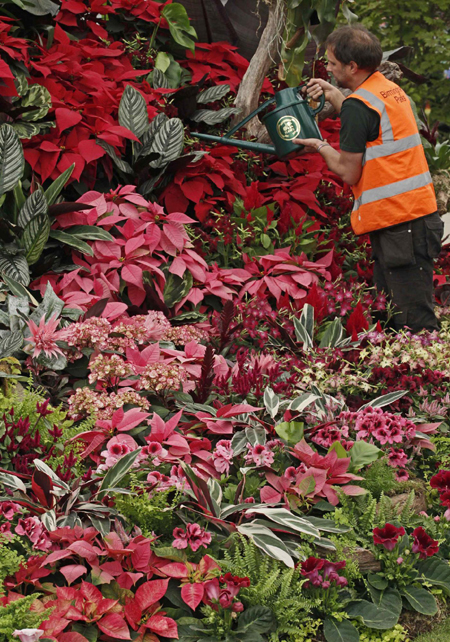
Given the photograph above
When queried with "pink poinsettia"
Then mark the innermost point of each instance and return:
(44, 337)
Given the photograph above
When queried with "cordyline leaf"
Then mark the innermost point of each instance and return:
(117, 472)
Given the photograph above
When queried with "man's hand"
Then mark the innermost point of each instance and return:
(316, 87)
(310, 144)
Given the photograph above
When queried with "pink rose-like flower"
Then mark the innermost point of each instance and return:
(197, 536)
(237, 607)
(32, 528)
(223, 456)
(9, 509)
(28, 635)
(402, 476)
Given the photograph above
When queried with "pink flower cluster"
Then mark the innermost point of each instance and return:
(223, 456)
(108, 368)
(183, 334)
(262, 455)
(375, 424)
(177, 479)
(194, 536)
(163, 376)
(327, 435)
(103, 404)
(116, 448)
(225, 597)
(322, 574)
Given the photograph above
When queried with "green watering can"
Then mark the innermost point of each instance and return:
(292, 118)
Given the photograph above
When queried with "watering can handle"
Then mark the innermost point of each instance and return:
(321, 101)
(249, 117)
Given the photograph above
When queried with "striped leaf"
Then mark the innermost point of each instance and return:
(168, 142)
(267, 541)
(271, 402)
(118, 162)
(91, 233)
(303, 401)
(52, 193)
(73, 241)
(10, 343)
(301, 334)
(12, 162)
(159, 80)
(26, 130)
(34, 206)
(117, 472)
(14, 266)
(212, 94)
(149, 136)
(35, 236)
(133, 111)
(211, 117)
(17, 289)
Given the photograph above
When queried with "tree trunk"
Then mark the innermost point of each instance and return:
(250, 88)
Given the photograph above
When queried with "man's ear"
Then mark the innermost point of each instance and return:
(353, 67)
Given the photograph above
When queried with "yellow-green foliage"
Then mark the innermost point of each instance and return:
(151, 514)
(17, 615)
(396, 634)
(10, 559)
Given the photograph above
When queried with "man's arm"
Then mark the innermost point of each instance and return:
(347, 165)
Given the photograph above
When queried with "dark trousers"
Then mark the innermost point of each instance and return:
(403, 269)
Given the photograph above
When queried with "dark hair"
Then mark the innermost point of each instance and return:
(355, 42)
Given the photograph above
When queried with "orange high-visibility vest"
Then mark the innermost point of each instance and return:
(395, 184)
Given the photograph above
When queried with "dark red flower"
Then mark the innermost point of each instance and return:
(441, 481)
(311, 568)
(387, 536)
(423, 544)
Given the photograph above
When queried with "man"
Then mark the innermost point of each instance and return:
(382, 158)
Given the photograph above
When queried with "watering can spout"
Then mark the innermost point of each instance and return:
(258, 148)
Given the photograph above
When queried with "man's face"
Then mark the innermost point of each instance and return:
(340, 71)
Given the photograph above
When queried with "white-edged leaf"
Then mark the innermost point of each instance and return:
(271, 402)
(303, 401)
(267, 541)
(12, 162)
(44, 468)
(286, 518)
(49, 520)
(385, 400)
(239, 442)
(332, 335)
(12, 482)
(117, 472)
(133, 111)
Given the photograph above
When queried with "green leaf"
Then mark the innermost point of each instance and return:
(168, 142)
(335, 631)
(290, 431)
(239, 442)
(41, 7)
(257, 619)
(303, 401)
(162, 61)
(179, 25)
(10, 343)
(12, 162)
(377, 581)
(436, 572)
(362, 453)
(35, 236)
(339, 449)
(286, 518)
(326, 525)
(212, 94)
(50, 305)
(72, 240)
(54, 190)
(117, 472)
(267, 541)
(421, 600)
(133, 111)
(176, 288)
(304, 327)
(383, 617)
(15, 266)
(211, 117)
(90, 233)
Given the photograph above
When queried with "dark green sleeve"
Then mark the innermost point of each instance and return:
(359, 125)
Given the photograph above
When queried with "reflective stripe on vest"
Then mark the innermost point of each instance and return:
(386, 127)
(394, 189)
(394, 147)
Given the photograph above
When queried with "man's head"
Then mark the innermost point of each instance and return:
(353, 52)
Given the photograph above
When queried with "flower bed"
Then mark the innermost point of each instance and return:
(208, 430)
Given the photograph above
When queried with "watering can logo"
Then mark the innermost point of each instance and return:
(291, 117)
